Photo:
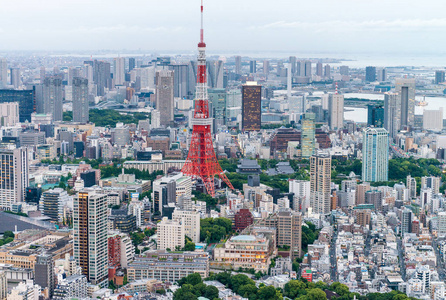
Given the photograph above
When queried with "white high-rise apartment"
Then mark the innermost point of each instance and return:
(90, 235)
(336, 111)
(119, 70)
(191, 220)
(442, 223)
(320, 178)
(431, 182)
(375, 155)
(170, 234)
(155, 121)
(433, 119)
(13, 176)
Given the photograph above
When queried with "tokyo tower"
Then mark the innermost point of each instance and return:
(201, 161)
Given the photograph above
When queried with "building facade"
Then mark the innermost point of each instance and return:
(251, 107)
(320, 178)
(375, 155)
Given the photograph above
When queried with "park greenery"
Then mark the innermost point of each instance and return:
(8, 237)
(193, 287)
(110, 117)
(309, 235)
(213, 230)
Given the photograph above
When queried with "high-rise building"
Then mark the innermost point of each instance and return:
(15, 77)
(432, 183)
(439, 77)
(217, 109)
(72, 73)
(25, 98)
(181, 81)
(375, 155)
(215, 71)
(381, 74)
(53, 203)
(44, 270)
(9, 113)
(13, 176)
(252, 66)
(165, 96)
(405, 88)
(53, 97)
(293, 61)
(361, 189)
(363, 217)
(266, 67)
(433, 119)
(336, 111)
(442, 223)
(304, 68)
(90, 235)
(101, 76)
(191, 221)
(132, 63)
(375, 115)
(74, 286)
(392, 113)
(3, 73)
(344, 70)
(370, 74)
(119, 70)
(238, 65)
(319, 70)
(171, 234)
(327, 71)
(251, 106)
(80, 100)
(320, 178)
(308, 135)
(406, 220)
(411, 185)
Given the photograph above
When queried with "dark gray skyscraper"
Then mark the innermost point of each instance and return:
(370, 74)
(101, 76)
(439, 77)
(252, 66)
(80, 100)
(165, 95)
(132, 63)
(181, 80)
(53, 97)
(405, 88)
(215, 74)
(15, 77)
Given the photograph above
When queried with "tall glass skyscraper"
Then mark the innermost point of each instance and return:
(375, 155)
(308, 135)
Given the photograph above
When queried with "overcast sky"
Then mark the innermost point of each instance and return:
(325, 26)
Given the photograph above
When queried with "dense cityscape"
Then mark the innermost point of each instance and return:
(148, 176)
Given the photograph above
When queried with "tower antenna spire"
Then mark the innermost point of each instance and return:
(201, 30)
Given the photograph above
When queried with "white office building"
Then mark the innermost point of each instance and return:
(191, 221)
(171, 234)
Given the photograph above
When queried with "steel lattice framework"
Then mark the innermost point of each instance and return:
(201, 161)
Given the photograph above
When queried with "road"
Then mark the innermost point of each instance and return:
(333, 261)
(440, 261)
(401, 259)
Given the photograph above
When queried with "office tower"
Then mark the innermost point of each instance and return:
(181, 80)
(53, 97)
(319, 70)
(238, 65)
(53, 202)
(3, 285)
(121, 135)
(101, 76)
(132, 63)
(119, 70)
(392, 113)
(164, 96)
(375, 115)
(370, 74)
(320, 176)
(217, 107)
(15, 77)
(303, 68)
(336, 111)
(439, 77)
(191, 221)
(171, 234)
(252, 66)
(44, 273)
(411, 185)
(293, 61)
(266, 67)
(215, 70)
(327, 71)
(13, 176)
(308, 135)
(406, 220)
(80, 100)
(405, 89)
(432, 183)
(433, 119)
(42, 74)
(3, 73)
(251, 106)
(375, 154)
(381, 74)
(344, 70)
(72, 73)
(376, 198)
(9, 113)
(90, 235)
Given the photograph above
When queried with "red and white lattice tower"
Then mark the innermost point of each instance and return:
(201, 161)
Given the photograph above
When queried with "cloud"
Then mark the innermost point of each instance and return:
(378, 25)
